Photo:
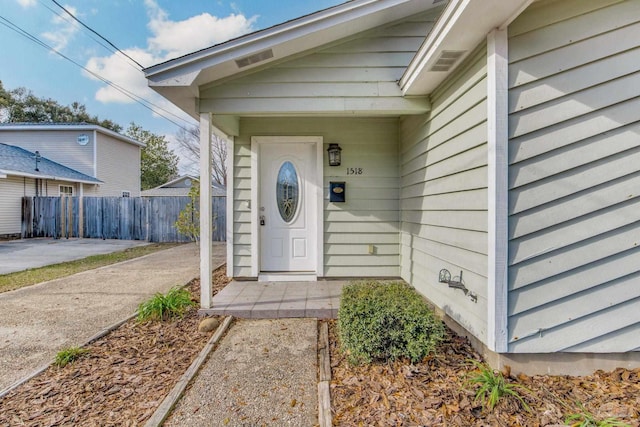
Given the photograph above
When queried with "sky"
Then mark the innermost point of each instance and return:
(149, 31)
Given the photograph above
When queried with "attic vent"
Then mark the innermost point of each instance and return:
(447, 59)
(255, 58)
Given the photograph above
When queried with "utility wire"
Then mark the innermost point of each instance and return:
(95, 39)
(96, 33)
(147, 104)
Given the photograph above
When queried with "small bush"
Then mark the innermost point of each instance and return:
(68, 355)
(165, 307)
(387, 322)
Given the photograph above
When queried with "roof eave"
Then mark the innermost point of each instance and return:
(463, 26)
(4, 173)
(179, 80)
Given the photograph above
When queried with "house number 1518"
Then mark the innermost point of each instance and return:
(354, 171)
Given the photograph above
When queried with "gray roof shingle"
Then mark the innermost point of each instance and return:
(18, 161)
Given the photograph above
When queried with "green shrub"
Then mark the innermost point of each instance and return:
(387, 322)
(69, 355)
(165, 307)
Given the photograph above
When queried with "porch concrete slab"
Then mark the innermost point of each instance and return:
(270, 300)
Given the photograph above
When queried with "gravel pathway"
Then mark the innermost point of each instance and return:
(264, 373)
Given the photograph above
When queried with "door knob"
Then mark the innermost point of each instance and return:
(261, 219)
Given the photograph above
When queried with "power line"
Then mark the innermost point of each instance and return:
(152, 107)
(95, 39)
(96, 33)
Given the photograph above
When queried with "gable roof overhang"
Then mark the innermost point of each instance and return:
(179, 80)
(463, 25)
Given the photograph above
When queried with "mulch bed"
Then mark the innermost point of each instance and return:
(436, 392)
(121, 381)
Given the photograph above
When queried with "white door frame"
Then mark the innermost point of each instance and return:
(256, 141)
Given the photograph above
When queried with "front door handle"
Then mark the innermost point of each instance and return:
(261, 219)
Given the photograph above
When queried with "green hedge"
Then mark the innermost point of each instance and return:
(386, 321)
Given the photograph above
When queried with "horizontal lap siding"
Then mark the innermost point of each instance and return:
(13, 188)
(60, 146)
(358, 74)
(118, 165)
(370, 215)
(443, 196)
(574, 177)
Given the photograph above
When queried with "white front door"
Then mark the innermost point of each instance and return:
(288, 211)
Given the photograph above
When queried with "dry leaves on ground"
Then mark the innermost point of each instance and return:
(436, 392)
(121, 381)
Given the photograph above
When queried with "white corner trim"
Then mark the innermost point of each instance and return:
(206, 219)
(255, 183)
(255, 174)
(320, 206)
(498, 139)
(230, 217)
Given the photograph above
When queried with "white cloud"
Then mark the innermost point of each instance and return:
(27, 3)
(64, 29)
(168, 40)
(175, 38)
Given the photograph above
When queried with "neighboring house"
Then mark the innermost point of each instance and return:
(180, 186)
(495, 139)
(99, 162)
(23, 173)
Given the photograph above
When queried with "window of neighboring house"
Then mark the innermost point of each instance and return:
(126, 194)
(66, 190)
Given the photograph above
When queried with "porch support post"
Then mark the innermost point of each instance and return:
(498, 140)
(206, 214)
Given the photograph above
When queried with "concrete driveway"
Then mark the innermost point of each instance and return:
(18, 255)
(38, 321)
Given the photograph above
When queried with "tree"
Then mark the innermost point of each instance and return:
(21, 105)
(188, 140)
(158, 163)
(188, 223)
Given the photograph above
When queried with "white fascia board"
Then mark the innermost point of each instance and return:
(286, 39)
(4, 173)
(463, 26)
(71, 127)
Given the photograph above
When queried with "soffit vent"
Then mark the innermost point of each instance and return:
(446, 60)
(255, 58)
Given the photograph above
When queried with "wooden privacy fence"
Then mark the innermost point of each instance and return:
(125, 218)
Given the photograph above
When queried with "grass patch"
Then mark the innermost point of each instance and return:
(68, 355)
(20, 279)
(587, 419)
(493, 387)
(165, 307)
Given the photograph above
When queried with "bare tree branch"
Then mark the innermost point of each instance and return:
(188, 139)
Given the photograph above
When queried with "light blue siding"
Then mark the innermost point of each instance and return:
(443, 195)
(574, 177)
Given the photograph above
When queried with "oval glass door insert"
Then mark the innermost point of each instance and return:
(287, 191)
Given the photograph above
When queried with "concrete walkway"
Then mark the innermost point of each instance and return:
(264, 373)
(37, 321)
(18, 255)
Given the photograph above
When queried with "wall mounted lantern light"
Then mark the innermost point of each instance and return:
(334, 154)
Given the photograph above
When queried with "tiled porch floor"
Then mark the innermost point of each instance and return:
(270, 300)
